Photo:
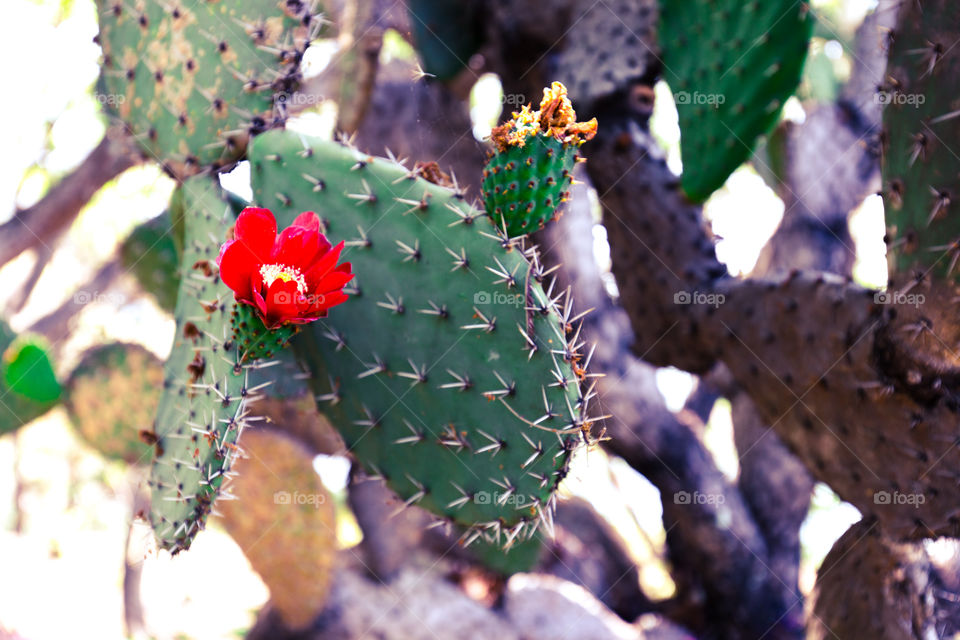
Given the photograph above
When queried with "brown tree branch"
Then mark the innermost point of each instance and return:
(727, 588)
(864, 393)
(40, 224)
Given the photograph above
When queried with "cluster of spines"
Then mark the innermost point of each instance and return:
(919, 170)
(563, 344)
(206, 386)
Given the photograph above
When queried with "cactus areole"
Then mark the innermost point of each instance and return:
(292, 278)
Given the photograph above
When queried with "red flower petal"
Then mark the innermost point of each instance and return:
(308, 220)
(332, 282)
(323, 266)
(283, 302)
(298, 246)
(257, 229)
(237, 266)
(330, 300)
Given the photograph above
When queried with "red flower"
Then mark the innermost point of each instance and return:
(293, 277)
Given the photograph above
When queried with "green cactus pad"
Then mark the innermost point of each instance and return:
(17, 409)
(921, 173)
(27, 370)
(528, 174)
(450, 372)
(520, 557)
(254, 340)
(112, 396)
(150, 254)
(194, 80)
(447, 34)
(205, 389)
(731, 65)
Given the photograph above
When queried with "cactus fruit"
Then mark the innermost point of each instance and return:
(731, 66)
(150, 254)
(612, 46)
(255, 341)
(17, 407)
(920, 171)
(447, 34)
(450, 372)
(112, 397)
(285, 522)
(194, 80)
(205, 388)
(527, 175)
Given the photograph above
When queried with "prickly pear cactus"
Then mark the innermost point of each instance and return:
(285, 522)
(28, 384)
(112, 397)
(194, 80)
(530, 169)
(205, 387)
(731, 65)
(450, 371)
(921, 174)
(150, 254)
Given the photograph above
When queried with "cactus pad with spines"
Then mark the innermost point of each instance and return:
(17, 408)
(28, 370)
(205, 389)
(150, 254)
(112, 396)
(528, 174)
(450, 371)
(731, 65)
(194, 80)
(285, 522)
(921, 173)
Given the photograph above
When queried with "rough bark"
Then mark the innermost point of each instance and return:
(863, 392)
(718, 555)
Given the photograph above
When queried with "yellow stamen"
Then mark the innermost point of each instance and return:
(272, 272)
